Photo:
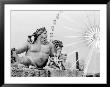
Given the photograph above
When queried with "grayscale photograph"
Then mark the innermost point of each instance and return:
(55, 43)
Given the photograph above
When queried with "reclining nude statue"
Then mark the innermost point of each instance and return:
(37, 51)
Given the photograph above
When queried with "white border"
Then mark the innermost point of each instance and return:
(56, 80)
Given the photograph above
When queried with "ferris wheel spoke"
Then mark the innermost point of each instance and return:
(75, 36)
(88, 42)
(94, 19)
(91, 44)
(88, 19)
(90, 24)
(88, 59)
(76, 30)
(67, 18)
(88, 37)
(85, 23)
(95, 29)
(89, 31)
(74, 43)
(70, 20)
(98, 29)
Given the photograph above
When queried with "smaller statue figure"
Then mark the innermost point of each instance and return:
(57, 62)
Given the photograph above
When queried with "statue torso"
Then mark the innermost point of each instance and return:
(38, 54)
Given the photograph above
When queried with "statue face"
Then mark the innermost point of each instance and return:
(44, 35)
(59, 49)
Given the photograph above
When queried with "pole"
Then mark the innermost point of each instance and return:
(77, 62)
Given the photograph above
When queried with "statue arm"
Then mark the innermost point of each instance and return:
(22, 49)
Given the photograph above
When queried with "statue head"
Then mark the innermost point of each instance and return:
(57, 45)
(39, 32)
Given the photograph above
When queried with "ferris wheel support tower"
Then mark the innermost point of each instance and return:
(54, 22)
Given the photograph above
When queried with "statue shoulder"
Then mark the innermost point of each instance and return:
(26, 44)
(50, 44)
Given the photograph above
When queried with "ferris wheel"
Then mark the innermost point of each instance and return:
(78, 29)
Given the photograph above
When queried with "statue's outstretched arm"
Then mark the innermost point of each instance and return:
(22, 49)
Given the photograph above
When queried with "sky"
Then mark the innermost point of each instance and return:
(70, 23)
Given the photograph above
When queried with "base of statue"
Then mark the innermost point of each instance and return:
(22, 71)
